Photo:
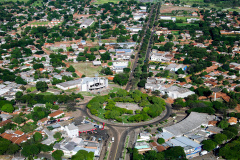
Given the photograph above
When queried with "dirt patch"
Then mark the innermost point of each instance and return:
(169, 9)
(5, 157)
(130, 106)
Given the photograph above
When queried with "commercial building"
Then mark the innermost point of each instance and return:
(177, 92)
(192, 122)
(85, 84)
(119, 66)
(86, 23)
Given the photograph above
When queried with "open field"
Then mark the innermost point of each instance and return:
(109, 40)
(169, 9)
(40, 23)
(87, 68)
(45, 93)
(105, 1)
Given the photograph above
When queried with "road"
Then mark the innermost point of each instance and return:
(120, 131)
(129, 84)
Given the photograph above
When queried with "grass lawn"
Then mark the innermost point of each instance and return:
(40, 23)
(108, 41)
(101, 113)
(175, 32)
(115, 89)
(85, 93)
(71, 90)
(45, 93)
(105, 1)
(32, 89)
(186, 24)
(87, 68)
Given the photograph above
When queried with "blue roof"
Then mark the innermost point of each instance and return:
(125, 50)
(83, 41)
(166, 135)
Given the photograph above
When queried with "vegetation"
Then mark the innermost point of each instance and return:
(152, 106)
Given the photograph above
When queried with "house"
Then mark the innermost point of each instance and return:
(56, 114)
(194, 14)
(72, 130)
(175, 67)
(97, 63)
(144, 136)
(3, 123)
(86, 23)
(232, 121)
(5, 117)
(160, 57)
(85, 84)
(119, 66)
(142, 147)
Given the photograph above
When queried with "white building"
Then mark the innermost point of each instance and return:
(177, 92)
(168, 18)
(86, 23)
(85, 84)
(160, 57)
(72, 130)
(119, 66)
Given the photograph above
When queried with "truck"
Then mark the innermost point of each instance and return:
(203, 152)
(112, 139)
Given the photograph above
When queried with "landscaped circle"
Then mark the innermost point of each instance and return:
(126, 107)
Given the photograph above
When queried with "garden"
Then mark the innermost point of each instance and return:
(140, 106)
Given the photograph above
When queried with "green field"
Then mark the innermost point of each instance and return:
(105, 1)
(40, 23)
(175, 32)
(87, 68)
(45, 93)
(185, 24)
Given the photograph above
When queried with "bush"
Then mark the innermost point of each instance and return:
(160, 141)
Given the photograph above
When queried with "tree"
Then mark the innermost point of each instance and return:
(161, 38)
(83, 155)
(7, 108)
(18, 95)
(160, 141)
(209, 145)
(70, 69)
(30, 150)
(180, 71)
(57, 135)
(220, 138)
(223, 124)
(37, 137)
(175, 153)
(57, 155)
(41, 86)
(13, 148)
(19, 80)
(121, 79)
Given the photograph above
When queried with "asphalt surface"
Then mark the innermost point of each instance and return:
(120, 131)
(129, 84)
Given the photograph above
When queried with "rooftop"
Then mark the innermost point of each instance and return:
(193, 121)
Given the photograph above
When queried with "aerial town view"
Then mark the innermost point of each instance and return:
(119, 79)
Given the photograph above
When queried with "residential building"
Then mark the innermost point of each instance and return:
(56, 114)
(86, 23)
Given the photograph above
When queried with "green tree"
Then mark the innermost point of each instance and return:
(83, 155)
(223, 124)
(57, 155)
(37, 137)
(160, 141)
(209, 145)
(70, 69)
(7, 108)
(161, 38)
(175, 153)
(30, 150)
(220, 138)
(19, 80)
(41, 86)
(57, 135)
(121, 79)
